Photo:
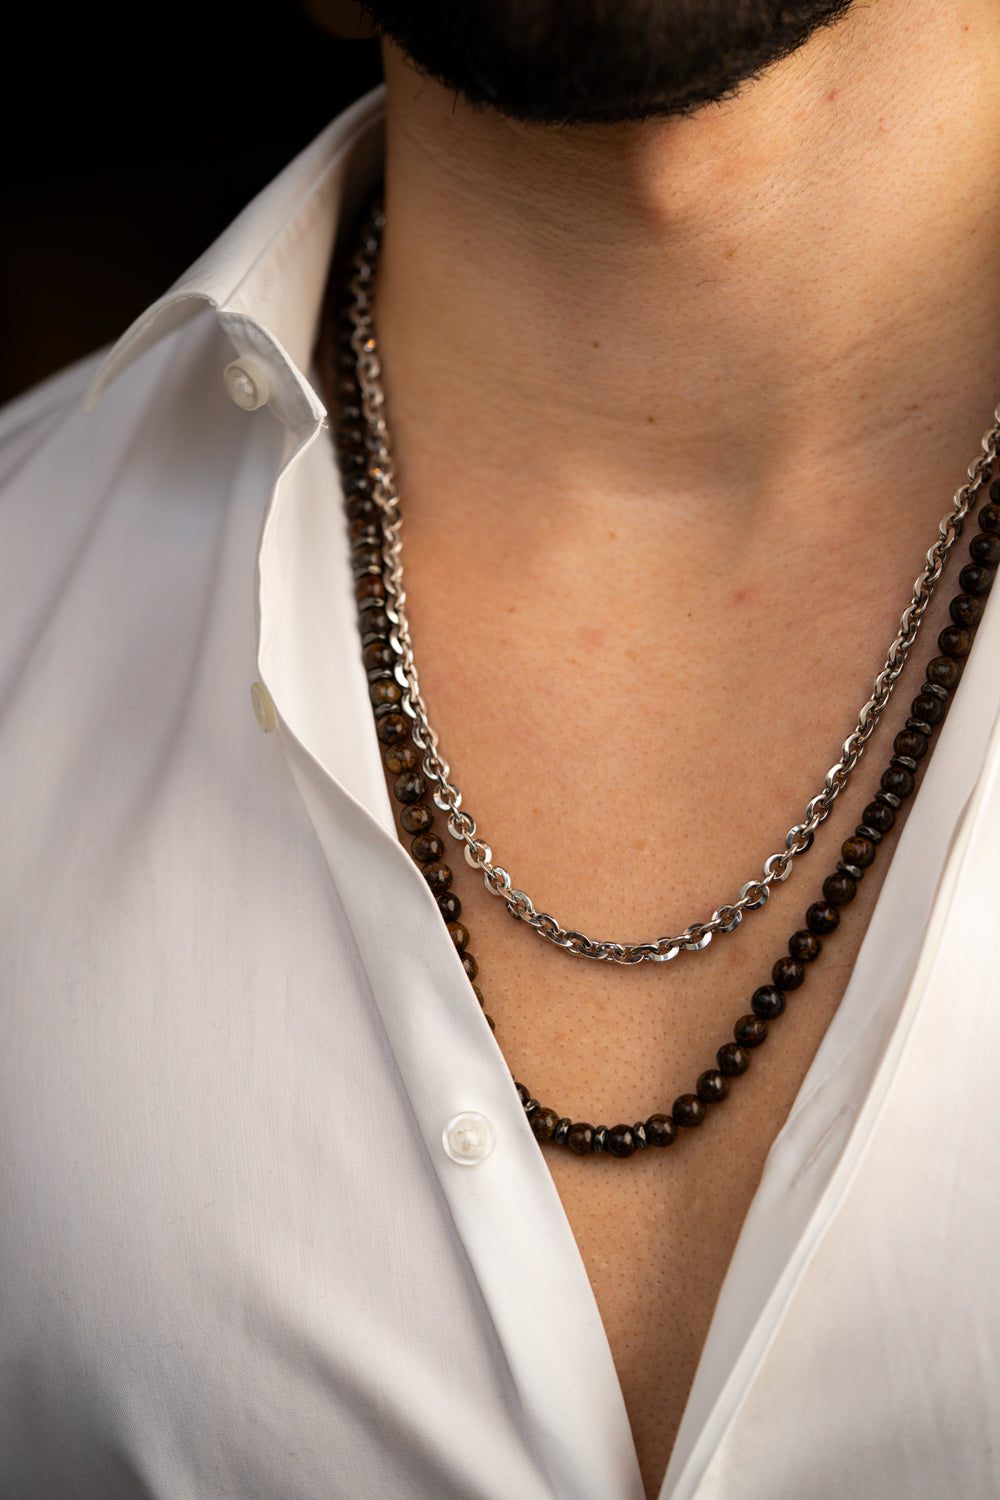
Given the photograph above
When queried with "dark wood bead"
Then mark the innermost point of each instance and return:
(410, 787)
(788, 973)
(732, 1060)
(988, 519)
(976, 579)
(954, 641)
(416, 819)
(400, 758)
(912, 743)
(805, 946)
(522, 1093)
(427, 846)
(365, 533)
(879, 817)
(478, 994)
(580, 1138)
(385, 690)
(361, 508)
(367, 562)
(688, 1111)
(392, 729)
(897, 780)
(369, 588)
(989, 516)
(929, 708)
(561, 1131)
(768, 1002)
(451, 907)
(712, 1087)
(750, 1031)
(985, 549)
(660, 1130)
(459, 935)
(822, 918)
(966, 610)
(840, 889)
(619, 1141)
(945, 672)
(468, 962)
(489, 1021)
(374, 625)
(378, 655)
(858, 851)
(439, 878)
(543, 1123)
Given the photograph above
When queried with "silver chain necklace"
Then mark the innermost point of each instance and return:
(461, 825)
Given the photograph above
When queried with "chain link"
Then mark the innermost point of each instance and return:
(461, 825)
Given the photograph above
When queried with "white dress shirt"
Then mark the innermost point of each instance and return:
(237, 1257)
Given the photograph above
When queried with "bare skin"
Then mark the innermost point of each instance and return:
(676, 409)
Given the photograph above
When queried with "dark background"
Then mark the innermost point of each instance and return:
(146, 131)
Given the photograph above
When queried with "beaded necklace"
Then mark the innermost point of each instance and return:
(408, 746)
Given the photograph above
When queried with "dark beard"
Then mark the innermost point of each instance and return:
(589, 61)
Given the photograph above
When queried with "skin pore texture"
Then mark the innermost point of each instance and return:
(676, 407)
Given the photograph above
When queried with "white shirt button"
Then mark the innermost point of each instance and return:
(469, 1138)
(246, 384)
(263, 707)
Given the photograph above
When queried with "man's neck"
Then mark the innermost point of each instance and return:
(706, 308)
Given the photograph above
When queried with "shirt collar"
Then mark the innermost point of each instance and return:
(265, 274)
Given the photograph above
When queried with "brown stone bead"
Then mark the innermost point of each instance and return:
(859, 851)
(712, 1087)
(660, 1130)
(688, 1111)
(400, 758)
(392, 729)
(966, 610)
(750, 1031)
(451, 907)
(543, 1123)
(989, 516)
(822, 918)
(580, 1138)
(840, 889)
(468, 962)
(879, 817)
(768, 1002)
(788, 973)
(907, 742)
(369, 588)
(975, 579)
(955, 641)
(522, 1093)
(490, 1021)
(620, 1141)
(385, 690)
(929, 707)
(416, 819)
(478, 994)
(378, 654)
(410, 787)
(897, 780)
(439, 878)
(805, 946)
(944, 672)
(459, 935)
(732, 1060)
(427, 846)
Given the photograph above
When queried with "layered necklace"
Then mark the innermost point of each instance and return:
(421, 781)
